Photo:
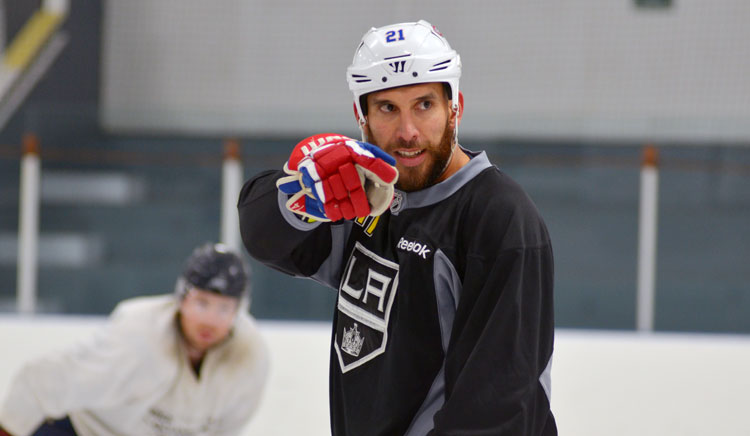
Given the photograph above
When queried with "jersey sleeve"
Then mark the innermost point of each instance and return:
(498, 359)
(279, 239)
(98, 372)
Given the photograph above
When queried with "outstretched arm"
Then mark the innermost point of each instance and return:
(288, 218)
(274, 235)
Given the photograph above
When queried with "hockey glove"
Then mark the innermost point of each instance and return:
(331, 177)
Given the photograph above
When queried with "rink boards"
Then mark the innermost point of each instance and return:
(603, 382)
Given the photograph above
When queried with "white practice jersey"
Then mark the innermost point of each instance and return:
(134, 378)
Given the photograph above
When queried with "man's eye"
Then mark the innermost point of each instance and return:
(386, 107)
(426, 104)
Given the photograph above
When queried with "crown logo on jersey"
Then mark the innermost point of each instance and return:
(352, 341)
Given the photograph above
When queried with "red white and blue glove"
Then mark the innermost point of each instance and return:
(332, 177)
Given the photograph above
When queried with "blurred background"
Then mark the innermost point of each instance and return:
(132, 105)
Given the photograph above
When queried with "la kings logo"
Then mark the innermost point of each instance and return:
(366, 294)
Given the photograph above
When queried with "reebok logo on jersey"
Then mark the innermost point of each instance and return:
(419, 248)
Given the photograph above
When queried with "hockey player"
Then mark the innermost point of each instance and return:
(444, 316)
(192, 363)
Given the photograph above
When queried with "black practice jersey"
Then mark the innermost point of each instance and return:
(444, 317)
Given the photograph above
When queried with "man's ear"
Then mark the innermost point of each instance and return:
(362, 127)
(456, 116)
(356, 113)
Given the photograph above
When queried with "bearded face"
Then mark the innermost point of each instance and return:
(414, 125)
(429, 162)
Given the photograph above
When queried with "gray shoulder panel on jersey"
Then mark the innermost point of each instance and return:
(546, 380)
(423, 421)
(447, 294)
(435, 193)
(329, 273)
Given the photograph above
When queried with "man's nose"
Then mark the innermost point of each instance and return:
(210, 319)
(407, 129)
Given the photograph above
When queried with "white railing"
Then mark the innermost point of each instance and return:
(647, 230)
(28, 226)
(232, 178)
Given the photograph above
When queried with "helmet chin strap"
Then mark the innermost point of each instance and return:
(455, 108)
(362, 123)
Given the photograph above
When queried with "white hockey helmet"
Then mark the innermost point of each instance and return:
(402, 54)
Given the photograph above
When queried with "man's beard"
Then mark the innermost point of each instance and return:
(413, 179)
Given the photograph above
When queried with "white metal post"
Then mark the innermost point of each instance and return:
(232, 178)
(57, 6)
(647, 234)
(28, 226)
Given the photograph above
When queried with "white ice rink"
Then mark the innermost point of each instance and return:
(603, 383)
